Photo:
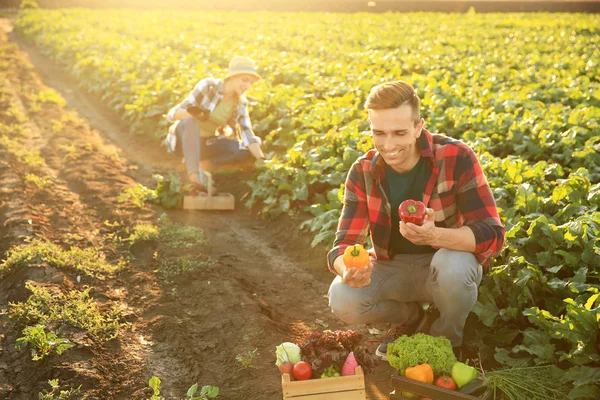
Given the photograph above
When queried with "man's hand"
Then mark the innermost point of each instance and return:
(357, 278)
(426, 234)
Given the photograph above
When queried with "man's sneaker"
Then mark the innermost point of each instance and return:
(400, 330)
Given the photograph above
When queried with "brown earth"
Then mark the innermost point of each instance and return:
(262, 283)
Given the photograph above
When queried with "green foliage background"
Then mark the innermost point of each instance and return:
(522, 89)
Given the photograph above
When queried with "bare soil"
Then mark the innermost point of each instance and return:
(263, 283)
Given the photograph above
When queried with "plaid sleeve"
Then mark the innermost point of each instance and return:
(201, 88)
(353, 225)
(478, 207)
(243, 119)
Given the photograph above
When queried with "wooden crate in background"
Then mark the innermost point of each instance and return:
(339, 388)
(210, 201)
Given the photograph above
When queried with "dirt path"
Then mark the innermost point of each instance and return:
(253, 292)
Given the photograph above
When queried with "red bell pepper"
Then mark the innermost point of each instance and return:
(412, 211)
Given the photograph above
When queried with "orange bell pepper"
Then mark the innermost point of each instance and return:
(422, 373)
(356, 257)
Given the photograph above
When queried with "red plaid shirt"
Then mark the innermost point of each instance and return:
(456, 190)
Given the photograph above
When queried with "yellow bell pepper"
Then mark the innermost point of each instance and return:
(356, 257)
(422, 373)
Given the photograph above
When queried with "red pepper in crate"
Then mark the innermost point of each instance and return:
(412, 211)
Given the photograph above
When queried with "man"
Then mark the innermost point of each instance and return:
(439, 262)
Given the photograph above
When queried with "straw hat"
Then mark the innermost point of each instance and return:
(240, 65)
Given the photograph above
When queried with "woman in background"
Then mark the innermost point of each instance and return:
(206, 123)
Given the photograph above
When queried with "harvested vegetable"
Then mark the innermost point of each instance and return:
(286, 367)
(331, 348)
(527, 383)
(412, 211)
(410, 351)
(463, 374)
(349, 365)
(330, 372)
(356, 257)
(422, 373)
(287, 351)
(445, 382)
(302, 371)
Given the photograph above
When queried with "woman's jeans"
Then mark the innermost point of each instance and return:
(218, 150)
(447, 278)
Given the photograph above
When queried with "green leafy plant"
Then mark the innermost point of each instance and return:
(89, 261)
(38, 181)
(75, 308)
(179, 236)
(168, 193)
(172, 267)
(70, 151)
(144, 232)
(29, 5)
(24, 153)
(246, 359)
(206, 392)
(137, 195)
(42, 343)
(57, 394)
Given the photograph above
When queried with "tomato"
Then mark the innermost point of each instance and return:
(445, 382)
(302, 371)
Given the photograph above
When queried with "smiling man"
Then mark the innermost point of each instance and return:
(441, 261)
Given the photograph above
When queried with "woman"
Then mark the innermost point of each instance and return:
(206, 123)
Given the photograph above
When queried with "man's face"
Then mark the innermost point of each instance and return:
(395, 136)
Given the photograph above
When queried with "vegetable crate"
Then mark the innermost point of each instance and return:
(401, 384)
(212, 201)
(339, 388)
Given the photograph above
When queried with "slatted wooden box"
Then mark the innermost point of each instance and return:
(338, 388)
(401, 384)
(210, 201)
(219, 201)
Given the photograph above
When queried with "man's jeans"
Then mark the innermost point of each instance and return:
(447, 278)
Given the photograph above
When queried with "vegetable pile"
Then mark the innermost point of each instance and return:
(326, 354)
(422, 357)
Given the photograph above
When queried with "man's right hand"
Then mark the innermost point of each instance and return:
(357, 278)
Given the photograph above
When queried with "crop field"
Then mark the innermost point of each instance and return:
(104, 284)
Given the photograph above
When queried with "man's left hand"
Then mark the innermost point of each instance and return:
(425, 234)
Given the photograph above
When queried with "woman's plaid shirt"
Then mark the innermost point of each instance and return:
(207, 94)
(456, 190)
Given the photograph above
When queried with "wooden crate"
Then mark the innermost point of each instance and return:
(210, 201)
(339, 388)
(401, 384)
(219, 201)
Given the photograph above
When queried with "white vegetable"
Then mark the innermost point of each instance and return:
(287, 352)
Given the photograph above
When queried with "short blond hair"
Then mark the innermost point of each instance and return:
(393, 95)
